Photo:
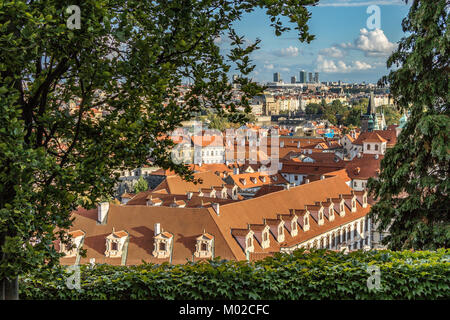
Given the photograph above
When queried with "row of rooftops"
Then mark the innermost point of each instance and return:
(223, 220)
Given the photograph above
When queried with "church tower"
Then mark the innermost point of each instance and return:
(372, 120)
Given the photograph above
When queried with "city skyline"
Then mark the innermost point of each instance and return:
(350, 51)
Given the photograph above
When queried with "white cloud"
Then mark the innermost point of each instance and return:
(358, 65)
(331, 66)
(269, 66)
(291, 51)
(374, 43)
(333, 52)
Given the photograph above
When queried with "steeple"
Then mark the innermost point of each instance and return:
(371, 106)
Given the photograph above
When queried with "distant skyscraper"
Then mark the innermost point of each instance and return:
(303, 75)
(310, 77)
(276, 77)
(293, 79)
(316, 77)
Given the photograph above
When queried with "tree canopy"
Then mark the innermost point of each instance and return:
(141, 185)
(126, 63)
(413, 187)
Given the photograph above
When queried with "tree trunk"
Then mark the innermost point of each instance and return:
(9, 289)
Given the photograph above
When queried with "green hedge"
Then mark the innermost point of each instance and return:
(316, 275)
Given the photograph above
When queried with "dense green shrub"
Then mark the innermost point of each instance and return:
(320, 274)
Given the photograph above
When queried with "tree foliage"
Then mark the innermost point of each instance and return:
(413, 187)
(127, 63)
(317, 275)
(141, 185)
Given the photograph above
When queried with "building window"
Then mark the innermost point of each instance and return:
(368, 147)
(376, 147)
(204, 246)
(162, 243)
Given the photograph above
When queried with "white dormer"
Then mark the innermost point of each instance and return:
(354, 204)
(153, 201)
(72, 248)
(342, 207)
(265, 238)
(162, 245)
(280, 233)
(331, 212)
(249, 246)
(115, 243)
(306, 221)
(321, 219)
(205, 246)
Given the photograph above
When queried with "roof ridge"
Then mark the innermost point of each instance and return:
(292, 188)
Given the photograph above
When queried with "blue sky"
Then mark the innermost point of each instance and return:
(346, 47)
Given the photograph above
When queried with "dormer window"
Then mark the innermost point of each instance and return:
(280, 236)
(153, 201)
(331, 212)
(162, 244)
(353, 205)
(72, 248)
(204, 246)
(321, 221)
(266, 240)
(249, 242)
(115, 243)
(306, 223)
(294, 230)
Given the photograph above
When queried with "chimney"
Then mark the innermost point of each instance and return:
(102, 210)
(322, 177)
(236, 170)
(281, 144)
(157, 229)
(189, 195)
(298, 144)
(376, 156)
(288, 186)
(306, 181)
(216, 208)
